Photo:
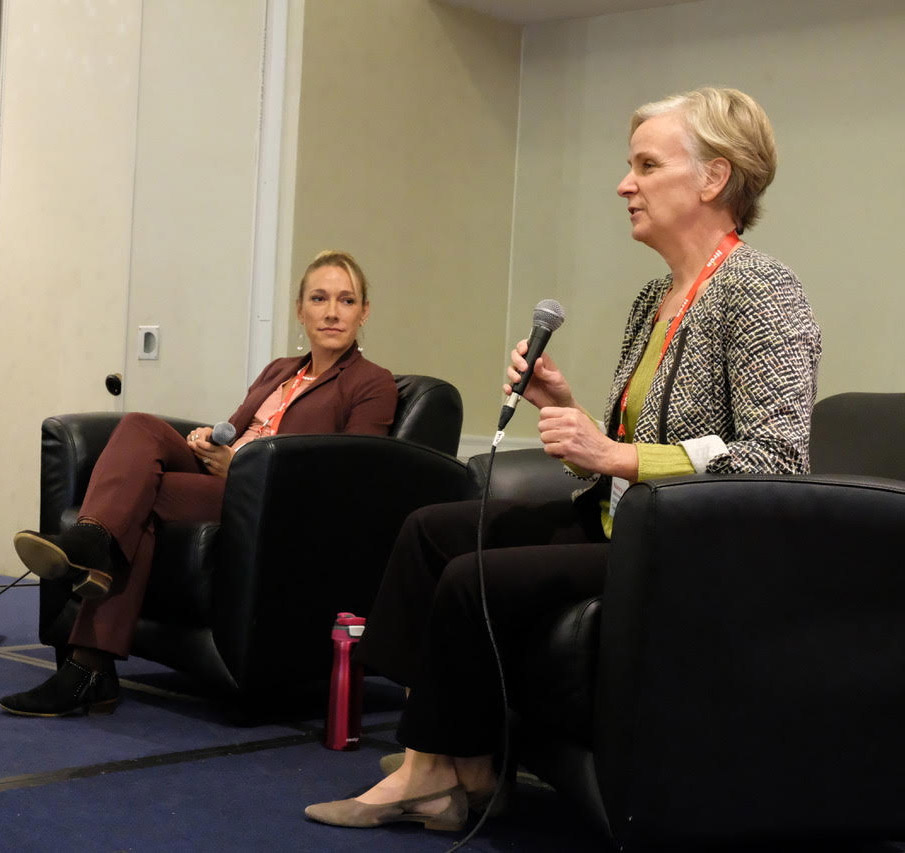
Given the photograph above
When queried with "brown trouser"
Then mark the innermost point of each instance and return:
(145, 473)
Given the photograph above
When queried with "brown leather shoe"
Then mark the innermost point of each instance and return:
(352, 812)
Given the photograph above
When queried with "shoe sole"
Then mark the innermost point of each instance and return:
(49, 561)
(108, 706)
(427, 821)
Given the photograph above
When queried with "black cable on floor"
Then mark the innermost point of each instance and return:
(5, 587)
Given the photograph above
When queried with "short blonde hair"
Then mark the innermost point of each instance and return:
(725, 123)
(337, 258)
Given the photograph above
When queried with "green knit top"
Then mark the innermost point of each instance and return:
(654, 460)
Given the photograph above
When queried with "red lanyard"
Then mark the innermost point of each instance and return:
(727, 244)
(272, 424)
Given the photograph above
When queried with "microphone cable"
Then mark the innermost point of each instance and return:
(8, 586)
(547, 318)
(504, 763)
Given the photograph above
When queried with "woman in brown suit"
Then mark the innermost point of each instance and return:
(149, 471)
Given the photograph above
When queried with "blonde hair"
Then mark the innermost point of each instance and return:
(725, 123)
(337, 258)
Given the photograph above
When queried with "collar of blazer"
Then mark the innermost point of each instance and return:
(350, 356)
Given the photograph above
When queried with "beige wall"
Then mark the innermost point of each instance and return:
(830, 74)
(406, 158)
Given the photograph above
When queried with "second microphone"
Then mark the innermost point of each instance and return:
(548, 317)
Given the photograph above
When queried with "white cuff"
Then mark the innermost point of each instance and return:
(701, 450)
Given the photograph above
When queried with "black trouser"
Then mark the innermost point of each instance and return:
(426, 630)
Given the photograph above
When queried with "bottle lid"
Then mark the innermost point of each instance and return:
(345, 619)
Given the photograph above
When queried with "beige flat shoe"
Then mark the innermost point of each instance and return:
(354, 813)
(477, 800)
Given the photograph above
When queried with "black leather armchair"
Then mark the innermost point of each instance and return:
(307, 525)
(740, 677)
(859, 433)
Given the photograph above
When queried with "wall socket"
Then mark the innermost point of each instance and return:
(148, 342)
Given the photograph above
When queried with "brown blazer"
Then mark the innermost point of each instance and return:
(353, 396)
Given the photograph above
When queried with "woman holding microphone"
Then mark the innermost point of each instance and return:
(149, 472)
(717, 374)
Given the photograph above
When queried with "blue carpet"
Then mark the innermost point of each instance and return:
(249, 802)
(168, 771)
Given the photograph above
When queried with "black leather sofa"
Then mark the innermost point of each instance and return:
(741, 679)
(247, 605)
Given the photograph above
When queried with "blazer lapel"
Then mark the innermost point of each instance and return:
(348, 357)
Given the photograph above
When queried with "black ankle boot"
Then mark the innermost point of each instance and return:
(80, 554)
(73, 689)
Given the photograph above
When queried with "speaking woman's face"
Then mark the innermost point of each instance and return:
(331, 310)
(663, 185)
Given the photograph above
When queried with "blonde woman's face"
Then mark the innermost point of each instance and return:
(331, 310)
(663, 185)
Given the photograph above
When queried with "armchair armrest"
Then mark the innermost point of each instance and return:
(70, 445)
(528, 475)
(308, 523)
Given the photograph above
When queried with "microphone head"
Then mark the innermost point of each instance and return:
(548, 314)
(223, 433)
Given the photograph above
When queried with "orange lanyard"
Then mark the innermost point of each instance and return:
(727, 244)
(272, 424)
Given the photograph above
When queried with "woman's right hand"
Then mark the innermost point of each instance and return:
(199, 433)
(548, 387)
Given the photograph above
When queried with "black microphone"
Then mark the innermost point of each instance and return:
(548, 317)
(223, 433)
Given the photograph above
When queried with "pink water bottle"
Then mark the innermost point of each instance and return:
(344, 710)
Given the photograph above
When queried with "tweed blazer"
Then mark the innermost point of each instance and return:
(353, 396)
(742, 368)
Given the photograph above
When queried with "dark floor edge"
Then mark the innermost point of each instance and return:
(17, 583)
(66, 774)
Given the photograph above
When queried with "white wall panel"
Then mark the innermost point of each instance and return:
(69, 86)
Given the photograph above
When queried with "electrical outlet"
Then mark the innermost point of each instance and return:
(149, 342)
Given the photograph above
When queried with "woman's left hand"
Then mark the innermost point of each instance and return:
(570, 435)
(216, 458)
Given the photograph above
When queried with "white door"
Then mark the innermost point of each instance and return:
(67, 147)
(129, 157)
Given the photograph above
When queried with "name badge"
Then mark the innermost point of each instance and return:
(616, 492)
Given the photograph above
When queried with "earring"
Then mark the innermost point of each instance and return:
(303, 341)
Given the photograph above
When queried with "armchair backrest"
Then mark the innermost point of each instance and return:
(526, 475)
(428, 412)
(859, 433)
